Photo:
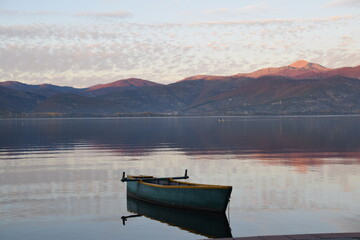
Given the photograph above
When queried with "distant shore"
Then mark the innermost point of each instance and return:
(151, 115)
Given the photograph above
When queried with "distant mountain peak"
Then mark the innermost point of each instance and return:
(130, 82)
(303, 64)
(299, 64)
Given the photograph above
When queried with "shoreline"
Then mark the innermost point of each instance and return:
(316, 236)
(176, 116)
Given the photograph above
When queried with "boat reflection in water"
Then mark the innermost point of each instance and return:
(211, 225)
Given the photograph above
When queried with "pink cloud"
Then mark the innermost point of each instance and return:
(343, 3)
(246, 9)
(115, 14)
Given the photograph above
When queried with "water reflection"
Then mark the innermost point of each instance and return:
(303, 169)
(210, 225)
(194, 136)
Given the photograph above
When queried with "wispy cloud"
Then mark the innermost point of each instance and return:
(343, 3)
(124, 30)
(244, 10)
(166, 52)
(115, 14)
(253, 8)
(277, 21)
(8, 12)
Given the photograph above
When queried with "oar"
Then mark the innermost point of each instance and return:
(125, 218)
(125, 179)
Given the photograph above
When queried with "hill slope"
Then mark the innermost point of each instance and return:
(293, 70)
(130, 83)
(14, 101)
(265, 95)
(298, 70)
(41, 89)
(299, 88)
(280, 95)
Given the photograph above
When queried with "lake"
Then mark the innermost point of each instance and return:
(60, 178)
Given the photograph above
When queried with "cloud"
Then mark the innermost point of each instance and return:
(165, 52)
(108, 15)
(336, 57)
(215, 45)
(244, 10)
(216, 11)
(44, 13)
(264, 22)
(343, 3)
(115, 14)
(253, 8)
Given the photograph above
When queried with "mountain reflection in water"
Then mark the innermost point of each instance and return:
(60, 178)
(193, 136)
(212, 225)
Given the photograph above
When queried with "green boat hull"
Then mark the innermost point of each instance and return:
(200, 197)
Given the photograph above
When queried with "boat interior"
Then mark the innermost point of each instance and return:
(166, 182)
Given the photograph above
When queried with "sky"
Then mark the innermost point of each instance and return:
(86, 42)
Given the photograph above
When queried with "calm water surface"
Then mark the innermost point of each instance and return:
(60, 178)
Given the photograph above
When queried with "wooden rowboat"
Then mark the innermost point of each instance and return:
(169, 192)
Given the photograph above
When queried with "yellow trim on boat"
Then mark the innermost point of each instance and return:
(192, 185)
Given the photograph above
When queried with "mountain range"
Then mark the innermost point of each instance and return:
(299, 88)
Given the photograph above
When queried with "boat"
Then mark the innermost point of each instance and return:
(207, 224)
(168, 191)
